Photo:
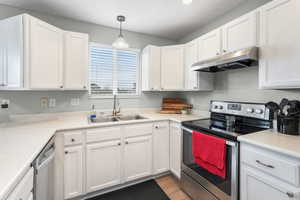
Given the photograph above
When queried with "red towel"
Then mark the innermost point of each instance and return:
(210, 153)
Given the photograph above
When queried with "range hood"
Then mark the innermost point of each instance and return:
(235, 60)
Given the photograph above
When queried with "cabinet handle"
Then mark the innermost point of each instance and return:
(217, 53)
(265, 165)
(84, 87)
(224, 51)
(126, 142)
(66, 152)
(119, 144)
(156, 127)
(61, 86)
(290, 194)
(72, 140)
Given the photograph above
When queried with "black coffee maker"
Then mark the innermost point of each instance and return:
(286, 115)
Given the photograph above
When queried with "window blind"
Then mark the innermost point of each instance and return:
(113, 71)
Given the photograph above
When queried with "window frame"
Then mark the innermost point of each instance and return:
(121, 96)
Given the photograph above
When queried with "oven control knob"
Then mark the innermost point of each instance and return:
(216, 106)
(259, 111)
(221, 107)
(250, 110)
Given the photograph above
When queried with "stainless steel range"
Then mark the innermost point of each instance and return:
(227, 120)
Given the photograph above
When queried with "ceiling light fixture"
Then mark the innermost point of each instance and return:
(120, 42)
(187, 2)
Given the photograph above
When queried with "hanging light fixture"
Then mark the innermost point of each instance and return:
(187, 2)
(120, 42)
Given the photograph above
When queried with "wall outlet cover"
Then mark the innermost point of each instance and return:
(44, 102)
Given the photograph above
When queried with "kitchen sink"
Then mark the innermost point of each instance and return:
(130, 117)
(105, 119)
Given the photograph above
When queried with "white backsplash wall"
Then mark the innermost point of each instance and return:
(29, 102)
(238, 85)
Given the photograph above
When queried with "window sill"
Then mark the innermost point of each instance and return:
(118, 96)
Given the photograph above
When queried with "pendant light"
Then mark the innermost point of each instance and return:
(187, 2)
(120, 42)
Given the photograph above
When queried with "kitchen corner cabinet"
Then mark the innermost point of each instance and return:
(195, 80)
(175, 148)
(210, 45)
(240, 33)
(161, 147)
(32, 56)
(73, 171)
(172, 67)
(151, 68)
(76, 60)
(279, 53)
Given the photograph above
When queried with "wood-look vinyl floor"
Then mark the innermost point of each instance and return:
(170, 186)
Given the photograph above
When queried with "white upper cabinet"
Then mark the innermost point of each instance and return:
(11, 53)
(45, 55)
(151, 59)
(191, 57)
(76, 60)
(172, 67)
(210, 45)
(195, 80)
(280, 45)
(240, 33)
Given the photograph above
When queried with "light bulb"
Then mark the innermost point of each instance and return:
(120, 43)
(187, 2)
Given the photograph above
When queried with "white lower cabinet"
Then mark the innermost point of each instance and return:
(161, 147)
(175, 148)
(30, 196)
(73, 172)
(137, 157)
(268, 175)
(103, 165)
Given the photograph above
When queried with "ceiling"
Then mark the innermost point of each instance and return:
(165, 18)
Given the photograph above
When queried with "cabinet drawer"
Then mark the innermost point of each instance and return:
(138, 130)
(271, 163)
(73, 138)
(24, 188)
(161, 125)
(103, 134)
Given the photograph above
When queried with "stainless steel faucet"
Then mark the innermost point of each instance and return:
(116, 111)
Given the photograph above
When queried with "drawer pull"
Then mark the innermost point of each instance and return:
(265, 165)
(126, 142)
(66, 152)
(73, 140)
(119, 144)
(290, 194)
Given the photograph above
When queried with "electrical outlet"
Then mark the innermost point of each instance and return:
(44, 102)
(75, 102)
(52, 103)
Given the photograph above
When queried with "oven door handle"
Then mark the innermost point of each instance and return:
(229, 143)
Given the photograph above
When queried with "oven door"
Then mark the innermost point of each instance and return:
(223, 189)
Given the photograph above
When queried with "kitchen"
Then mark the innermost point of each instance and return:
(142, 149)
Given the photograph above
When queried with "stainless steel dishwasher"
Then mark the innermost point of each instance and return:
(44, 173)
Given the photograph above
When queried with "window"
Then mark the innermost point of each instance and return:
(113, 71)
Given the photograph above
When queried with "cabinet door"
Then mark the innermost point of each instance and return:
(279, 53)
(11, 53)
(75, 60)
(151, 66)
(172, 67)
(137, 157)
(175, 149)
(191, 57)
(103, 162)
(255, 185)
(240, 33)
(46, 62)
(30, 196)
(73, 172)
(210, 45)
(161, 147)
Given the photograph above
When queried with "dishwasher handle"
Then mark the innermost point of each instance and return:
(44, 159)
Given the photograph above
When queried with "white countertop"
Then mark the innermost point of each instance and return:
(285, 144)
(21, 142)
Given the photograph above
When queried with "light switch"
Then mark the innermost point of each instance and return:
(52, 103)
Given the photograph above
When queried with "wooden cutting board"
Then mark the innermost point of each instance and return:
(170, 112)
